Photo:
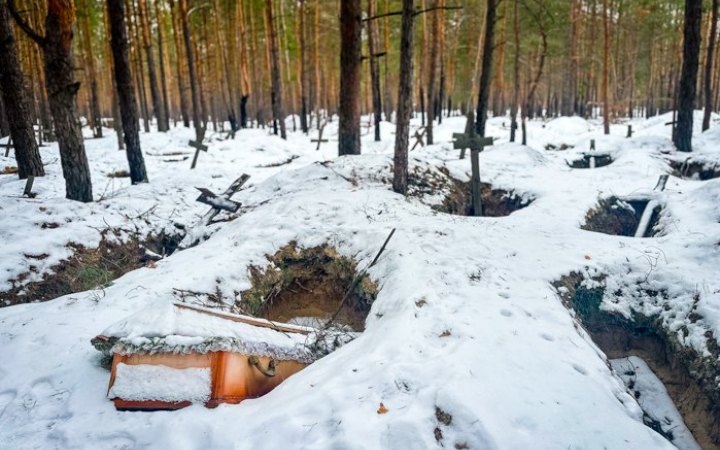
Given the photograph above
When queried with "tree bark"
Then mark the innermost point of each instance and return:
(486, 76)
(161, 56)
(125, 92)
(516, 72)
(709, 66)
(606, 67)
(404, 99)
(182, 88)
(432, 71)
(688, 79)
(62, 91)
(303, 70)
(155, 95)
(95, 119)
(350, 78)
(276, 94)
(16, 102)
(374, 69)
(192, 70)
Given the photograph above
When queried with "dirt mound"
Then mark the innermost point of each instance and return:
(696, 170)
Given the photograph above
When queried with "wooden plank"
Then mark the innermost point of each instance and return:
(262, 323)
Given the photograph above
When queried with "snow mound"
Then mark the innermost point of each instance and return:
(141, 382)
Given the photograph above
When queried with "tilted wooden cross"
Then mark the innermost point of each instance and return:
(198, 145)
(7, 146)
(476, 144)
(419, 136)
(221, 202)
(320, 139)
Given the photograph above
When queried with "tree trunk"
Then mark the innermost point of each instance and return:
(95, 119)
(486, 76)
(374, 69)
(125, 92)
(404, 99)
(161, 56)
(688, 79)
(62, 89)
(192, 70)
(350, 78)
(303, 70)
(16, 103)
(709, 66)
(432, 71)
(276, 94)
(4, 124)
(155, 95)
(516, 72)
(182, 89)
(606, 67)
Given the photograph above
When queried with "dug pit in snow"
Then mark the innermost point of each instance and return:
(89, 268)
(689, 377)
(495, 202)
(696, 170)
(624, 217)
(591, 161)
(306, 285)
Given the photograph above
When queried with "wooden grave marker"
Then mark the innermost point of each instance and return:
(221, 202)
(28, 187)
(476, 144)
(8, 146)
(629, 131)
(198, 145)
(320, 139)
(419, 136)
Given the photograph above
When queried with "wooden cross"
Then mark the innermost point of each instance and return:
(221, 202)
(28, 187)
(419, 136)
(7, 146)
(475, 144)
(662, 181)
(320, 139)
(630, 131)
(592, 144)
(198, 145)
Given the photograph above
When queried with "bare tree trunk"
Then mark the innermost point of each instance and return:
(95, 119)
(161, 56)
(688, 79)
(303, 70)
(606, 67)
(4, 124)
(405, 97)
(387, 90)
(182, 89)
(350, 78)
(516, 72)
(155, 95)
(276, 94)
(192, 70)
(374, 69)
(14, 98)
(486, 77)
(125, 92)
(432, 71)
(60, 83)
(709, 66)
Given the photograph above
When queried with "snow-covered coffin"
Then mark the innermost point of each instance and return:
(171, 356)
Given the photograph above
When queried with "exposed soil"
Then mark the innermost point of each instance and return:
(308, 283)
(620, 217)
(119, 174)
(88, 268)
(584, 163)
(689, 377)
(695, 169)
(495, 202)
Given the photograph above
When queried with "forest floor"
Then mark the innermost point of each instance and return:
(472, 341)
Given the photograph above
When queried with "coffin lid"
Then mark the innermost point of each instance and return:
(168, 327)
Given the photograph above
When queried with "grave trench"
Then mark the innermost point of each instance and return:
(695, 170)
(305, 286)
(621, 217)
(601, 160)
(495, 202)
(688, 377)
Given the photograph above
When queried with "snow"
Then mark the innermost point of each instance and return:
(466, 319)
(654, 399)
(161, 383)
(167, 328)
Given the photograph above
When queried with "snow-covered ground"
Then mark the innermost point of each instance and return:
(466, 322)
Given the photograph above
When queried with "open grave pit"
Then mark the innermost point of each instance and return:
(590, 161)
(90, 268)
(689, 376)
(695, 170)
(622, 217)
(496, 202)
(306, 286)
